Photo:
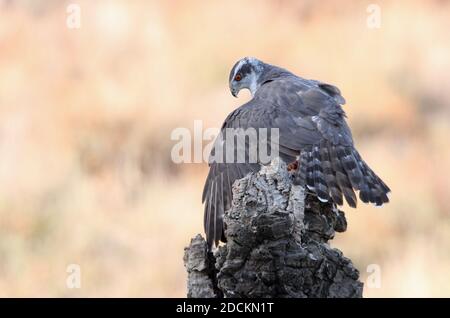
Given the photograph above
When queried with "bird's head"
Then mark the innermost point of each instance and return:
(246, 73)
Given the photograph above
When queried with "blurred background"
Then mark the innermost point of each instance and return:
(86, 115)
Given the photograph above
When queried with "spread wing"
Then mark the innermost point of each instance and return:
(311, 124)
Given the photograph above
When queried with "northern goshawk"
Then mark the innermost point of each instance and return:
(312, 132)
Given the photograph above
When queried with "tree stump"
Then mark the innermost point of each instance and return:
(277, 245)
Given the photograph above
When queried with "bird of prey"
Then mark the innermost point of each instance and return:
(312, 132)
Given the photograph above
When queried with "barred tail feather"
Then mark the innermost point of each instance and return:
(335, 172)
(320, 185)
(342, 178)
(378, 189)
(330, 176)
(350, 165)
(309, 171)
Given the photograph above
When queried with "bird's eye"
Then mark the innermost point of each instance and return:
(238, 77)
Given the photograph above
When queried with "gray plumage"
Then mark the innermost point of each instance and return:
(312, 129)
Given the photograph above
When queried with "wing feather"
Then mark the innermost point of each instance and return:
(311, 124)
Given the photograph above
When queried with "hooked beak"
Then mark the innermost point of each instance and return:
(234, 92)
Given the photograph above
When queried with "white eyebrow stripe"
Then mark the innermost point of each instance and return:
(238, 67)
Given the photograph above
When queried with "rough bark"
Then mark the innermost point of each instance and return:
(277, 245)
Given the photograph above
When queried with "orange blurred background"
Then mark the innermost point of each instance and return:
(86, 115)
